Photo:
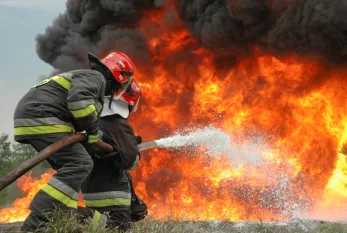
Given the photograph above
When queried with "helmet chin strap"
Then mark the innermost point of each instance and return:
(111, 98)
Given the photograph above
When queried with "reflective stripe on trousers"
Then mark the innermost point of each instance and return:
(105, 199)
(61, 192)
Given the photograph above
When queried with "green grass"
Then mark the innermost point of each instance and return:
(153, 226)
(69, 223)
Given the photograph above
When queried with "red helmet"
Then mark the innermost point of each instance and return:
(131, 96)
(120, 66)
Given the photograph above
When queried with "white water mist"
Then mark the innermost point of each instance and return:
(216, 142)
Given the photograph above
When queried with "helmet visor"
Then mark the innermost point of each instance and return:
(124, 88)
(127, 75)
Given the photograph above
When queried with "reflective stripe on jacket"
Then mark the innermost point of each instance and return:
(34, 126)
(65, 103)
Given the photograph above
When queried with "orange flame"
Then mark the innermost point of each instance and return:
(296, 106)
(30, 186)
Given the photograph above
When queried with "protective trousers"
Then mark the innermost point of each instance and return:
(73, 164)
(108, 190)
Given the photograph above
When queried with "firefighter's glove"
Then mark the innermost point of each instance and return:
(138, 139)
(94, 137)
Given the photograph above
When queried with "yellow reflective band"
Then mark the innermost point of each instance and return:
(107, 202)
(56, 194)
(43, 82)
(58, 79)
(84, 111)
(93, 138)
(43, 129)
(62, 81)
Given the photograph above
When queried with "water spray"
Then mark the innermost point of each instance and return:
(213, 139)
(213, 142)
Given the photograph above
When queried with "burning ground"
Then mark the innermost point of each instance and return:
(268, 73)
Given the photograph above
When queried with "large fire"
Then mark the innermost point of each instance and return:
(285, 102)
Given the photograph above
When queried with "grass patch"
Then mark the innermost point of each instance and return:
(154, 226)
(71, 223)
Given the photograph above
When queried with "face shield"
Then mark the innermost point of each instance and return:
(128, 74)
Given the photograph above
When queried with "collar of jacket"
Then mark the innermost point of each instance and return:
(117, 107)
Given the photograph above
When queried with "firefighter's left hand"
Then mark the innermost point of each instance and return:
(138, 139)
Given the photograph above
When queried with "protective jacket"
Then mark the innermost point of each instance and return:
(118, 133)
(108, 187)
(60, 105)
(108, 175)
(52, 109)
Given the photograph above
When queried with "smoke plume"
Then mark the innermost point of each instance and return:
(93, 26)
(229, 27)
(308, 27)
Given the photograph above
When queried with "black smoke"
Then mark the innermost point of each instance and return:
(226, 26)
(312, 27)
(97, 26)
(308, 27)
(231, 28)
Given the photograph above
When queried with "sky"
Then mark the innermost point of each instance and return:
(20, 67)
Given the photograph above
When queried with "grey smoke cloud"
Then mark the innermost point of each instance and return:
(231, 26)
(228, 27)
(93, 26)
(310, 27)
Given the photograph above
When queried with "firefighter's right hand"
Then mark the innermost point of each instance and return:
(94, 137)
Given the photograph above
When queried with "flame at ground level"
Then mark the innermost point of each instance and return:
(29, 186)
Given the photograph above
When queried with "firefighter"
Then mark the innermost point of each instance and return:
(58, 107)
(108, 188)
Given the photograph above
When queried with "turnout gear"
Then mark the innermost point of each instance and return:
(58, 106)
(51, 110)
(109, 188)
(93, 137)
(73, 164)
(118, 133)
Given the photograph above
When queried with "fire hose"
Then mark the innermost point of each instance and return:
(48, 151)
